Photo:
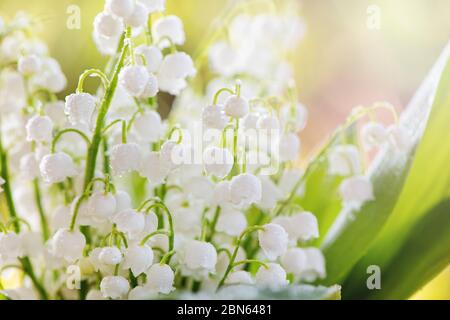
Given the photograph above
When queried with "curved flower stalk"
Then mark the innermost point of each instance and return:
(223, 209)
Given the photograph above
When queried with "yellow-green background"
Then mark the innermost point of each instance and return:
(339, 64)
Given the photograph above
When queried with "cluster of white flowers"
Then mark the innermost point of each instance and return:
(103, 184)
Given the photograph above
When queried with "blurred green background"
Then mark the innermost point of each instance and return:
(340, 63)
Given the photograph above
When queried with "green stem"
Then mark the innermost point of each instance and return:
(62, 132)
(42, 217)
(213, 224)
(235, 252)
(92, 72)
(104, 107)
(219, 92)
(75, 212)
(147, 237)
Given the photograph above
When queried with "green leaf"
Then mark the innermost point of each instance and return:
(423, 254)
(354, 232)
(427, 185)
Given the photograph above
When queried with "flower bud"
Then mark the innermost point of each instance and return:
(125, 158)
(107, 25)
(268, 123)
(120, 8)
(114, 287)
(123, 201)
(138, 259)
(294, 261)
(239, 277)
(110, 256)
(214, 117)
(236, 107)
(356, 190)
(373, 134)
(171, 27)
(68, 245)
(134, 79)
(39, 129)
(148, 126)
(344, 160)
(129, 222)
(218, 161)
(56, 167)
(273, 240)
(142, 293)
(29, 65)
(79, 108)
(160, 277)
(222, 196)
(101, 206)
(304, 226)
(245, 189)
(297, 116)
(273, 277)
(289, 147)
(150, 57)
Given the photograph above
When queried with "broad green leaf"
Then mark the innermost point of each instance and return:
(424, 253)
(427, 185)
(354, 232)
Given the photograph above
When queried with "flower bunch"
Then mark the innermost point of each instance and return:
(143, 207)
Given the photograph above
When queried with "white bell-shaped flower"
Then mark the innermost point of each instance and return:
(154, 168)
(232, 223)
(172, 154)
(149, 56)
(273, 277)
(373, 134)
(356, 190)
(101, 205)
(344, 160)
(120, 8)
(245, 189)
(289, 147)
(151, 88)
(221, 195)
(94, 295)
(315, 265)
(173, 71)
(294, 261)
(68, 245)
(61, 218)
(294, 116)
(29, 65)
(29, 166)
(106, 46)
(214, 117)
(148, 126)
(114, 287)
(304, 226)
(273, 240)
(160, 278)
(134, 79)
(55, 110)
(108, 25)
(110, 256)
(400, 138)
(39, 129)
(138, 259)
(236, 106)
(130, 222)
(154, 5)
(270, 193)
(56, 167)
(138, 17)
(171, 27)
(125, 158)
(199, 257)
(79, 108)
(123, 200)
(218, 161)
(268, 123)
(142, 293)
(32, 244)
(239, 277)
(10, 246)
